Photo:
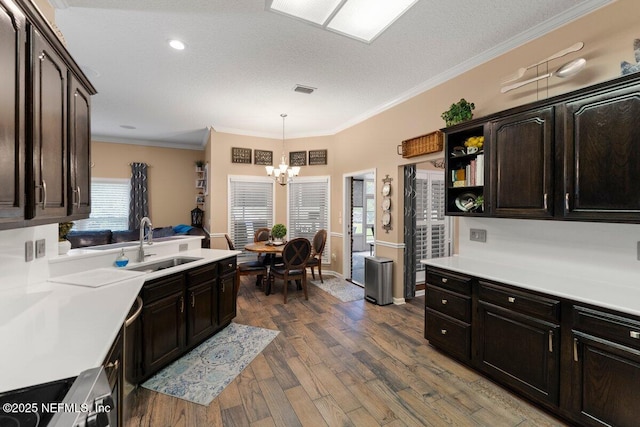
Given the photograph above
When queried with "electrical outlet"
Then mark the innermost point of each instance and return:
(478, 235)
(638, 251)
(40, 248)
(183, 247)
(28, 250)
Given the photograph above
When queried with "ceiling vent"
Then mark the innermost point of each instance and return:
(304, 89)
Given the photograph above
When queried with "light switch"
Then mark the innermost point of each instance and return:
(478, 235)
(28, 250)
(40, 248)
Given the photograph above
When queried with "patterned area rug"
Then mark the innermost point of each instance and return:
(340, 288)
(200, 375)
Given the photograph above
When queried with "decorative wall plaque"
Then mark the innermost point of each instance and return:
(240, 155)
(298, 158)
(263, 157)
(317, 157)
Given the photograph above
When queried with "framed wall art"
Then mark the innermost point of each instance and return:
(263, 157)
(241, 155)
(298, 158)
(317, 157)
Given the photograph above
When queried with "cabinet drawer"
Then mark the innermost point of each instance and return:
(521, 302)
(451, 281)
(448, 334)
(159, 288)
(227, 265)
(454, 305)
(616, 328)
(202, 274)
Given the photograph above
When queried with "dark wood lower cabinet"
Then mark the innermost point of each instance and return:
(520, 351)
(163, 331)
(606, 382)
(203, 313)
(579, 361)
(113, 366)
(180, 311)
(227, 298)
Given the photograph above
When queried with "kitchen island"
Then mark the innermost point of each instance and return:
(53, 331)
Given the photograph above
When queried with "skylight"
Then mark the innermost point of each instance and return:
(363, 20)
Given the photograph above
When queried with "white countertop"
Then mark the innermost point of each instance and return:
(52, 331)
(569, 282)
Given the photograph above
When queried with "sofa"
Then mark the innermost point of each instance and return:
(81, 239)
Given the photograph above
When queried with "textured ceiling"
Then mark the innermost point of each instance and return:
(241, 62)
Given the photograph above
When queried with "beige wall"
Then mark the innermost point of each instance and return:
(608, 37)
(171, 175)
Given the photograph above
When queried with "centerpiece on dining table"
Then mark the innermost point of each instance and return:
(278, 231)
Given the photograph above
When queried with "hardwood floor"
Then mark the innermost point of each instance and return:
(341, 364)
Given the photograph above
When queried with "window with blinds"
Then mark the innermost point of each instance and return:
(109, 205)
(308, 209)
(433, 230)
(250, 207)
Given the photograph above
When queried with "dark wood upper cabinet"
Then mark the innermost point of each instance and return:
(12, 36)
(601, 156)
(44, 123)
(79, 157)
(574, 156)
(522, 150)
(47, 88)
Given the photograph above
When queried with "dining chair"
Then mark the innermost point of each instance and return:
(294, 257)
(248, 268)
(317, 248)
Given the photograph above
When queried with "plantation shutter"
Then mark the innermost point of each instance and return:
(433, 238)
(309, 209)
(109, 206)
(250, 207)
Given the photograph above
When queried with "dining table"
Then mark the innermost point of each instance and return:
(271, 250)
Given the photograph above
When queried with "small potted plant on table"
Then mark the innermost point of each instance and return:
(278, 232)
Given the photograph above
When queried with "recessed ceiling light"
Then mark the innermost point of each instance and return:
(176, 44)
(127, 127)
(362, 20)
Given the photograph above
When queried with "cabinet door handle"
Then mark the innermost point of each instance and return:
(223, 283)
(634, 334)
(511, 299)
(193, 299)
(444, 301)
(113, 365)
(78, 191)
(42, 56)
(443, 331)
(181, 304)
(575, 349)
(444, 280)
(545, 201)
(43, 193)
(230, 266)
(135, 315)
(550, 341)
(566, 201)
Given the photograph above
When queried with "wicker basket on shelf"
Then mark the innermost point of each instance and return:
(424, 144)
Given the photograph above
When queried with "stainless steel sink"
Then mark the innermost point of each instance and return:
(164, 264)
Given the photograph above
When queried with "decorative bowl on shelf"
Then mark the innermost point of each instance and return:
(466, 202)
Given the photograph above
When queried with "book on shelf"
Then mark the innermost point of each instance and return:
(471, 175)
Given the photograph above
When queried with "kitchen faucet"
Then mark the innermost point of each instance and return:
(143, 221)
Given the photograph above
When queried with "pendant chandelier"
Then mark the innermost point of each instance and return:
(283, 173)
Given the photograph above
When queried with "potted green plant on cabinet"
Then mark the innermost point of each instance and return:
(459, 112)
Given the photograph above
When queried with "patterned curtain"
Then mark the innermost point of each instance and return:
(139, 203)
(410, 231)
